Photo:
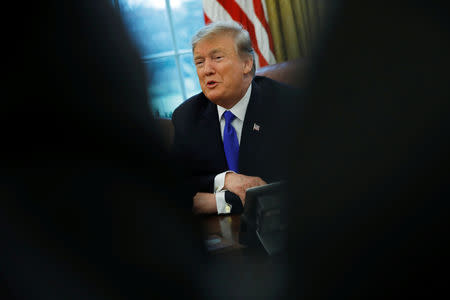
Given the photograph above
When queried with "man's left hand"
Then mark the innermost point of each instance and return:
(238, 184)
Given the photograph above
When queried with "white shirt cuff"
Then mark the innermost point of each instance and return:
(219, 181)
(222, 206)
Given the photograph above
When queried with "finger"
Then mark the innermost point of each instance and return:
(242, 197)
(261, 181)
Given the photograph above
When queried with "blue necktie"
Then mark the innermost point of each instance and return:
(230, 142)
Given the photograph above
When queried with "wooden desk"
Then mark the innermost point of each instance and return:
(222, 234)
(225, 231)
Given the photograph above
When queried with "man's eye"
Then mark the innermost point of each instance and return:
(198, 63)
(218, 57)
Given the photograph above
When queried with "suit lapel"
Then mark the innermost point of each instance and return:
(210, 127)
(251, 138)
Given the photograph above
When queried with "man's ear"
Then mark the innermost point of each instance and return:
(248, 65)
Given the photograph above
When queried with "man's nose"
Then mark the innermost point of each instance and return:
(208, 68)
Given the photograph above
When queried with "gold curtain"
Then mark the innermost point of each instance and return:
(295, 25)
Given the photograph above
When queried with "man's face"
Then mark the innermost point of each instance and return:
(224, 76)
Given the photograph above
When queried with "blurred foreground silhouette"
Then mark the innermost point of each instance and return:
(85, 210)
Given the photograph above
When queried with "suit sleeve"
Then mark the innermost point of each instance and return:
(180, 150)
(235, 202)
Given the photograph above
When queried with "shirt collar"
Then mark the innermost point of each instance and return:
(239, 108)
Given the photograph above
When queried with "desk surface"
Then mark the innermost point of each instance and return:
(222, 233)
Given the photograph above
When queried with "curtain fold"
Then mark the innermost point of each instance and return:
(295, 26)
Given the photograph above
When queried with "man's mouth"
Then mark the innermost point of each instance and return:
(211, 83)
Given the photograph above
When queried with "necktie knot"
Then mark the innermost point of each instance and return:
(229, 117)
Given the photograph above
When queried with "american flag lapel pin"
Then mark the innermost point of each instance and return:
(256, 127)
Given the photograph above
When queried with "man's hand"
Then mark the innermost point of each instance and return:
(238, 183)
(204, 203)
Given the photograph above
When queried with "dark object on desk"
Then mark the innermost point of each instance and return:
(261, 222)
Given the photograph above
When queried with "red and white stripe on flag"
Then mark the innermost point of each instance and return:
(252, 14)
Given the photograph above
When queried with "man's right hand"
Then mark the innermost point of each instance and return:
(238, 183)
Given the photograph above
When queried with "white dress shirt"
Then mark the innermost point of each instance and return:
(239, 110)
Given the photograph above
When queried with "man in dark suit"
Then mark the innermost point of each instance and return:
(228, 138)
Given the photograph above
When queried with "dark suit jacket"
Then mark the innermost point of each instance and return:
(198, 145)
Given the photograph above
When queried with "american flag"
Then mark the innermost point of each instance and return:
(252, 14)
(255, 127)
